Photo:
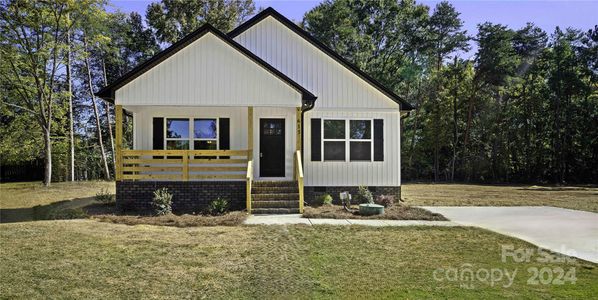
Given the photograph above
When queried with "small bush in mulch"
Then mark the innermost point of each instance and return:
(162, 202)
(104, 196)
(218, 207)
(385, 200)
(324, 199)
(396, 212)
(229, 219)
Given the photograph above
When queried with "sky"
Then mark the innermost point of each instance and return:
(515, 14)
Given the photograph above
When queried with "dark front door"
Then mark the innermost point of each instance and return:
(272, 147)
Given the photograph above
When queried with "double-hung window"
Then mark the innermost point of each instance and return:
(347, 136)
(177, 134)
(335, 140)
(204, 134)
(360, 140)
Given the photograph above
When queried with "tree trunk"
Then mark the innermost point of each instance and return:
(454, 129)
(47, 157)
(97, 115)
(108, 118)
(70, 96)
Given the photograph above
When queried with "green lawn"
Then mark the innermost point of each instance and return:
(91, 259)
(88, 259)
(573, 197)
(29, 201)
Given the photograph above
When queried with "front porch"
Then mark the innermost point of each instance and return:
(198, 176)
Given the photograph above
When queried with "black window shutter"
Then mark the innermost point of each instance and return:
(224, 135)
(158, 134)
(378, 140)
(316, 139)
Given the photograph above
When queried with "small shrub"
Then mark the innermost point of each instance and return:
(218, 207)
(385, 200)
(162, 202)
(364, 195)
(66, 214)
(104, 196)
(324, 199)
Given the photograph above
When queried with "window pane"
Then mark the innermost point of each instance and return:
(205, 145)
(205, 129)
(361, 129)
(360, 151)
(334, 151)
(177, 145)
(177, 128)
(334, 129)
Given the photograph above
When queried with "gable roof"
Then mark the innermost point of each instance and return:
(108, 91)
(308, 37)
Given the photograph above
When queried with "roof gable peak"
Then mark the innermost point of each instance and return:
(271, 12)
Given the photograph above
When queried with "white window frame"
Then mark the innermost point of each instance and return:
(191, 139)
(348, 139)
(167, 139)
(370, 140)
(217, 138)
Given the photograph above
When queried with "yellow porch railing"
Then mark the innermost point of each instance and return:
(182, 165)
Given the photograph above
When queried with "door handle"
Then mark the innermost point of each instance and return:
(261, 155)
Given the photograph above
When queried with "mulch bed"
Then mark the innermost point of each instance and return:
(229, 219)
(109, 213)
(396, 212)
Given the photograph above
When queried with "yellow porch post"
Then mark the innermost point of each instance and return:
(250, 132)
(118, 111)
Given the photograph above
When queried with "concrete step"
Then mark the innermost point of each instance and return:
(274, 189)
(274, 183)
(275, 204)
(261, 211)
(275, 197)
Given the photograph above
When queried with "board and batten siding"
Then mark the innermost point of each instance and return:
(208, 72)
(355, 173)
(333, 84)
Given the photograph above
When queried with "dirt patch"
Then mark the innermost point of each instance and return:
(229, 219)
(397, 212)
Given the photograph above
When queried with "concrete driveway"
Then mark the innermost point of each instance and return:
(561, 230)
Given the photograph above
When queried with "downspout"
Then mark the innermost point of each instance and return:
(307, 106)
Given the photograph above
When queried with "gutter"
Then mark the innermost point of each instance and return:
(307, 106)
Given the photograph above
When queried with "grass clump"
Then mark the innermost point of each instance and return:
(66, 214)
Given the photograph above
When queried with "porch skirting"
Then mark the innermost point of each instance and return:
(312, 192)
(188, 196)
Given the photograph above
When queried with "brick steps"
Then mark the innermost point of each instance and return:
(275, 197)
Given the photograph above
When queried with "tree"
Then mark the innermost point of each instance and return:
(33, 40)
(447, 37)
(173, 19)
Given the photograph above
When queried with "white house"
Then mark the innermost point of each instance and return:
(265, 116)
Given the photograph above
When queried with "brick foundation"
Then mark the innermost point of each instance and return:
(312, 192)
(188, 196)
